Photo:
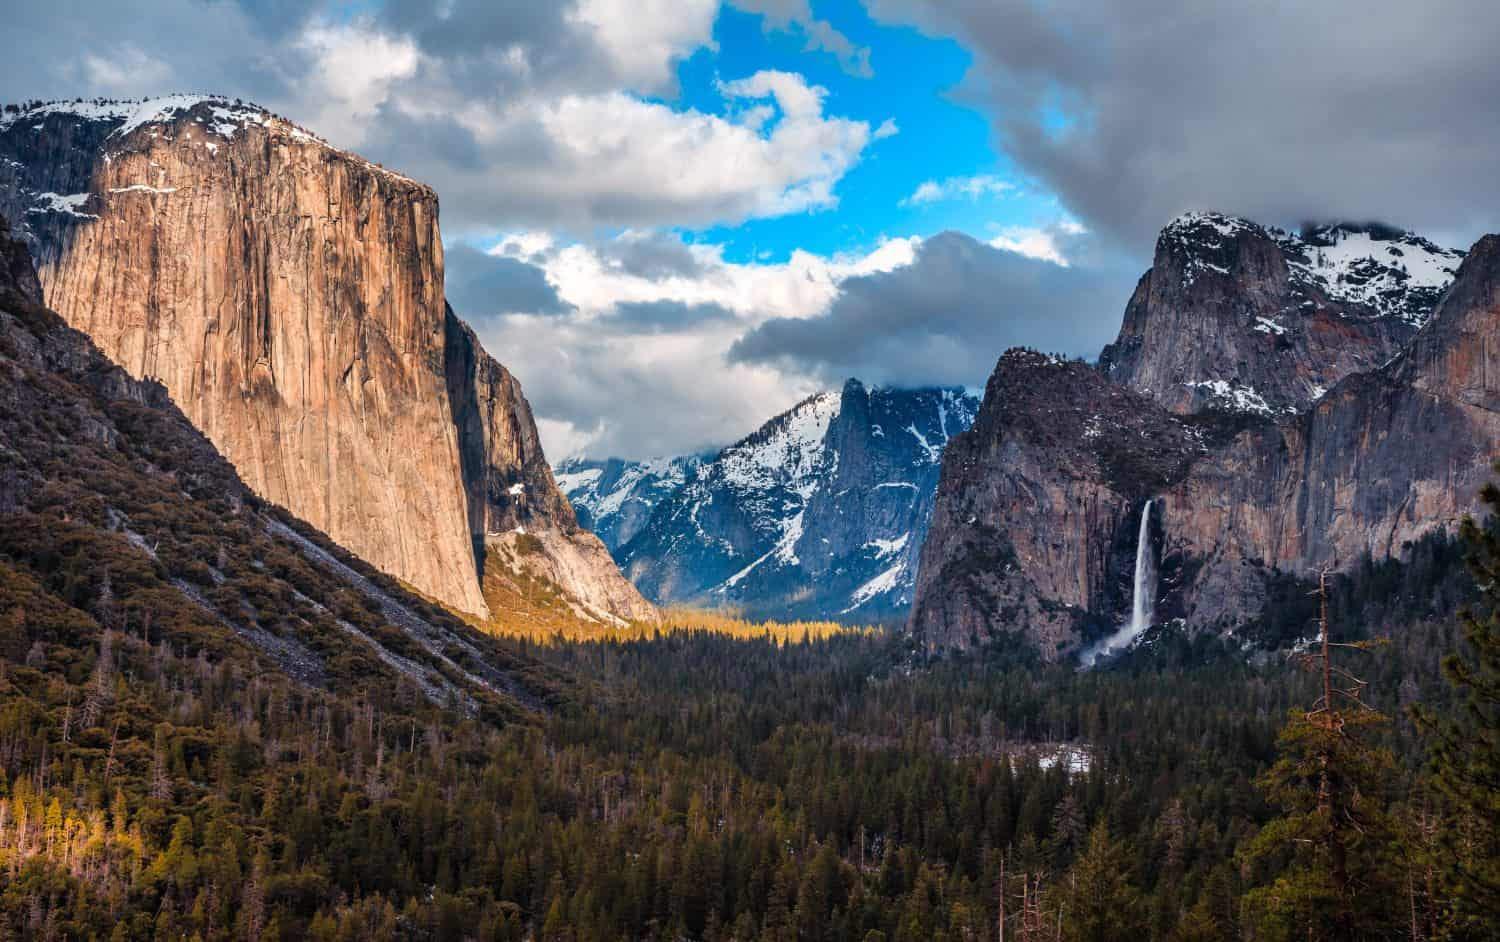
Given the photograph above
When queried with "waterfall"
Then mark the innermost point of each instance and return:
(1142, 601)
(1143, 591)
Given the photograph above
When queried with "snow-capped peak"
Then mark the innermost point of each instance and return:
(215, 115)
(1195, 223)
(787, 451)
(1394, 272)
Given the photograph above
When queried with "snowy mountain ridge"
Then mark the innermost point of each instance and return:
(1252, 319)
(819, 513)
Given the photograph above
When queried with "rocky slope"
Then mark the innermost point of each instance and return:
(1385, 457)
(289, 296)
(117, 514)
(614, 498)
(821, 513)
(1038, 506)
(1038, 511)
(1266, 321)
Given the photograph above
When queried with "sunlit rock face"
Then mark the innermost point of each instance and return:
(289, 295)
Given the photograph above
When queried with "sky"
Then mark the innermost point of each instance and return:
(673, 219)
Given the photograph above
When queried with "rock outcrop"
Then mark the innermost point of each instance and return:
(1251, 319)
(820, 513)
(290, 296)
(512, 494)
(101, 469)
(1039, 507)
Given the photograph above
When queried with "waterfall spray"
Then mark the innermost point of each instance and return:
(1142, 601)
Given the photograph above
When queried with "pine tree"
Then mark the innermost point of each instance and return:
(1466, 752)
(1335, 826)
(1101, 902)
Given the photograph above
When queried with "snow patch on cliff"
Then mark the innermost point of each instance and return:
(1232, 397)
(58, 203)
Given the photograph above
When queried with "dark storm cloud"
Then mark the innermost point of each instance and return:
(479, 285)
(666, 316)
(946, 317)
(1134, 112)
(651, 255)
(398, 138)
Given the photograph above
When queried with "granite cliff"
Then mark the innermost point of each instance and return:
(1248, 318)
(116, 514)
(289, 295)
(1038, 511)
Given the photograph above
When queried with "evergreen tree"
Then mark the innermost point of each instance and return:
(1335, 828)
(1466, 753)
(1101, 902)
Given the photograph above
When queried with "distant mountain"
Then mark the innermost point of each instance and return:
(1039, 515)
(289, 296)
(1265, 321)
(614, 498)
(821, 513)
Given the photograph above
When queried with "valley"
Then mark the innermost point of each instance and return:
(304, 634)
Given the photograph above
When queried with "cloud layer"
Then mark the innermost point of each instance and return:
(561, 125)
(555, 115)
(944, 318)
(635, 364)
(1134, 112)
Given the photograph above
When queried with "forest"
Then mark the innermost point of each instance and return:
(161, 777)
(707, 786)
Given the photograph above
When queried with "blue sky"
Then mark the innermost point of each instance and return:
(938, 138)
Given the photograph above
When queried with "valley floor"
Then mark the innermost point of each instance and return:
(698, 785)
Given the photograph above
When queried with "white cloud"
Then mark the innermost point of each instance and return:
(1041, 243)
(797, 15)
(613, 159)
(354, 68)
(645, 39)
(601, 385)
(122, 70)
(933, 191)
(554, 116)
(888, 128)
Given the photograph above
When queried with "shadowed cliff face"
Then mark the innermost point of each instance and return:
(1036, 500)
(1249, 319)
(290, 296)
(1039, 503)
(511, 493)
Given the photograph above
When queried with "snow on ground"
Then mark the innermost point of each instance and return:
(791, 454)
(884, 548)
(226, 118)
(570, 482)
(1360, 267)
(88, 110)
(884, 582)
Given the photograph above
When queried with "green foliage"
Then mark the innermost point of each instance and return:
(1335, 840)
(1466, 752)
(1102, 902)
